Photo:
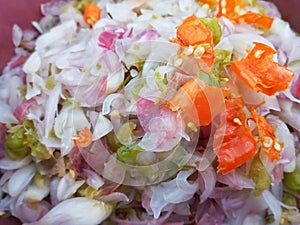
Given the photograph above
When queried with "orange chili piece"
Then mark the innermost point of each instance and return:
(230, 8)
(210, 2)
(192, 32)
(235, 145)
(195, 95)
(267, 136)
(260, 72)
(91, 14)
(84, 138)
(255, 18)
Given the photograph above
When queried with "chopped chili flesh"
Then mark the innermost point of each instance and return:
(233, 141)
(259, 71)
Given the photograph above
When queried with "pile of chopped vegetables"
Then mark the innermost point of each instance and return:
(152, 112)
